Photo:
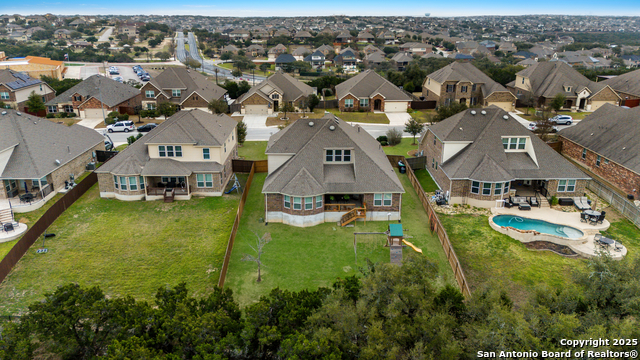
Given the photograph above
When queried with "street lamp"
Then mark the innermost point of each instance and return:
(104, 118)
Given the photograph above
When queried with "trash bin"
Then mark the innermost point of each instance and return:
(403, 169)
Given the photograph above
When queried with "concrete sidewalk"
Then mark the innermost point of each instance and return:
(91, 123)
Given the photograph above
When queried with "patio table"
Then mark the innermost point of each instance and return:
(592, 212)
(607, 241)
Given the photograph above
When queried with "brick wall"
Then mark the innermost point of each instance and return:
(75, 166)
(275, 202)
(433, 153)
(94, 103)
(552, 188)
(605, 95)
(500, 96)
(12, 94)
(105, 183)
(618, 175)
(395, 203)
(255, 99)
(195, 101)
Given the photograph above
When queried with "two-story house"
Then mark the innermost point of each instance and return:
(462, 82)
(627, 86)
(187, 89)
(188, 154)
(325, 170)
(415, 48)
(267, 96)
(542, 81)
(95, 97)
(347, 59)
(368, 91)
(480, 156)
(15, 88)
(316, 60)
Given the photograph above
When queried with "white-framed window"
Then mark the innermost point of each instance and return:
(522, 142)
(606, 161)
(205, 154)
(133, 183)
(52, 109)
(346, 155)
(141, 179)
(463, 88)
(382, 199)
(473, 100)
(473, 88)
(149, 94)
(566, 185)
(77, 98)
(348, 103)
(497, 189)
(287, 202)
(598, 159)
(115, 181)
(318, 201)
(505, 143)
(178, 151)
(68, 108)
(364, 102)
(506, 187)
(173, 179)
(4, 95)
(162, 151)
(123, 183)
(297, 203)
(176, 92)
(275, 96)
(475, 187)
(514, 143)
(151, 106)
(308, 203)
(169, 151)
(451, 88)
(486, 189)
(377, 199)
(584, 153)
(447, 102)
(225, 147)
(204, 180)
(338, 155)
(387, 199)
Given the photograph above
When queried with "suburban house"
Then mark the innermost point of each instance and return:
(302, 35)
(188, 154)
(95, 97)
(38, 155)
(255, 50)
(374, 59)
(344, 38)
(229, 49)
(283, 61)
(465, 83)
(267, 96)
(187, 89)
(16, 87)
(365, 37)
(607, 143)
(316, 60)
(275, 51)
(541, 82)
(401, 60)
(368, 91)
(325, 170)
(325, 49)
(300, 52)
(480, 156)
(627, 86)
(415, 48)
(347, 59)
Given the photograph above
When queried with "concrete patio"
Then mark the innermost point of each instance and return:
(585, 246)
(12, 235)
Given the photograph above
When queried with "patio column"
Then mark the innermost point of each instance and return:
(188, 189)
(40, 187)
(145, 187)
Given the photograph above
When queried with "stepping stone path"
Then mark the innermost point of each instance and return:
(396, 255)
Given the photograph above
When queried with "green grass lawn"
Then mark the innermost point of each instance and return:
(308, 258)
(253, 150)
(127, 248)
(403, 148)
(423, 115)
(257, 71)
(574, 115)
(425, 179)
(361, 117)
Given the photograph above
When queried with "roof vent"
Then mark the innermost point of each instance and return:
(335, 118)
(483, 112)
(624, 148)
(506, 117)
(473, 112)
(311, 124)
(4, 113)
(18, 113)
(332, 127)
(591, 134)
(57, 162)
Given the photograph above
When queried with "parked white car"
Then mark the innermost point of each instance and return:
(562, 120)
(125, 126)
(533, 127)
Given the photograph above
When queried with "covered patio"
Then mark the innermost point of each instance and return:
(342, 202)
(24, 195)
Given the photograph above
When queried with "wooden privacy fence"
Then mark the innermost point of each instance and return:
(36, 230)
(435, 225)
(420, 105)
(234, 229)
(244, 166)
(623, 205)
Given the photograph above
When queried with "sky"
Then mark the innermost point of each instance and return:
(325, 7)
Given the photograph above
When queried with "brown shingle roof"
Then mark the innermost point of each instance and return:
(189, 81)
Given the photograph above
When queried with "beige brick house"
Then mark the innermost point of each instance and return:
(480, 156)
(16, 87)
(542, 81)
(369, 91)
(325, 170)
(607, 143)
(462, 82)
(627, 86)
(267, 96)
(189, 154)
(37, 156)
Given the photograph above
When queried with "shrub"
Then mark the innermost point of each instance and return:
(131, 139)
(381, 138)
(50, 116)
(394, 136)
(384, 143)
(110, 121)
(554, 200)
(113, 114)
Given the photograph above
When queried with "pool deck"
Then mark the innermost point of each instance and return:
(586, 249)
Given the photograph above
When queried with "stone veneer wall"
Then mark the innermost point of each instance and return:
(76, 167)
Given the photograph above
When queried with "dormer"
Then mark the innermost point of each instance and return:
(338, 155)
(567, 88)
(519, 143)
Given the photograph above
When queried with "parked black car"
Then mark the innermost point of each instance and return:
(147, 127)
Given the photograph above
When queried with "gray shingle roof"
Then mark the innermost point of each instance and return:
(484, 158)
(40, 143)
(111, 92)
(549, 78)
(290, 88)
(189, 81)
(628, 83)
(612, 132)
(16, 80)
(367, 84)
(306, 174)
(463, 71)
(195, 127)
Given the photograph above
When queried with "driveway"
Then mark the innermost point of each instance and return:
(398, 119)
(91, 123)
(105, 36)
(255, 121)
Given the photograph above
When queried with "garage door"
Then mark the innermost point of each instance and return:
(398, 106)
(256, 109)
(506, 106)
(93, 113)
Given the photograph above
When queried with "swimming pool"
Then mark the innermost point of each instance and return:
(540, 226)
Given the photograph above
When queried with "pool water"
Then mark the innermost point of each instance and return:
(540, 226)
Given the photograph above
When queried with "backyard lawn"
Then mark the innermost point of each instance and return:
(253, 150)
(403, 148)
(423, 115)
(308, 258)
(425, 179)
(127, 248)
(361, 117)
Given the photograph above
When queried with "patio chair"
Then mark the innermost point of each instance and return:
(534, 202)
(8, 227)
(600, 218)
(584, 217)
(617, 246)
(593, 220)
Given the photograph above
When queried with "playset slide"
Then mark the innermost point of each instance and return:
(412, 246)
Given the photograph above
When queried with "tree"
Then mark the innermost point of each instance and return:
(167, 109)
(219, 106)
(35, 103)
(92, 39)
(394, 136)
(60, 86)
(192, 63)
(163, 55)
(242, 132)
(558, 102)
(264, 67)
(313, 101)
(285, 108)
(414, 128)
(260, 243)
(447, 111)
(236, 72)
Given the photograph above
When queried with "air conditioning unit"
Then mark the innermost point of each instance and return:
(91, 166)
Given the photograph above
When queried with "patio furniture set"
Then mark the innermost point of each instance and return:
(592, 217)
(606, 243)
(522, 202)
(9, 226)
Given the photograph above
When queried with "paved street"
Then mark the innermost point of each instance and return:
(105, 37)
